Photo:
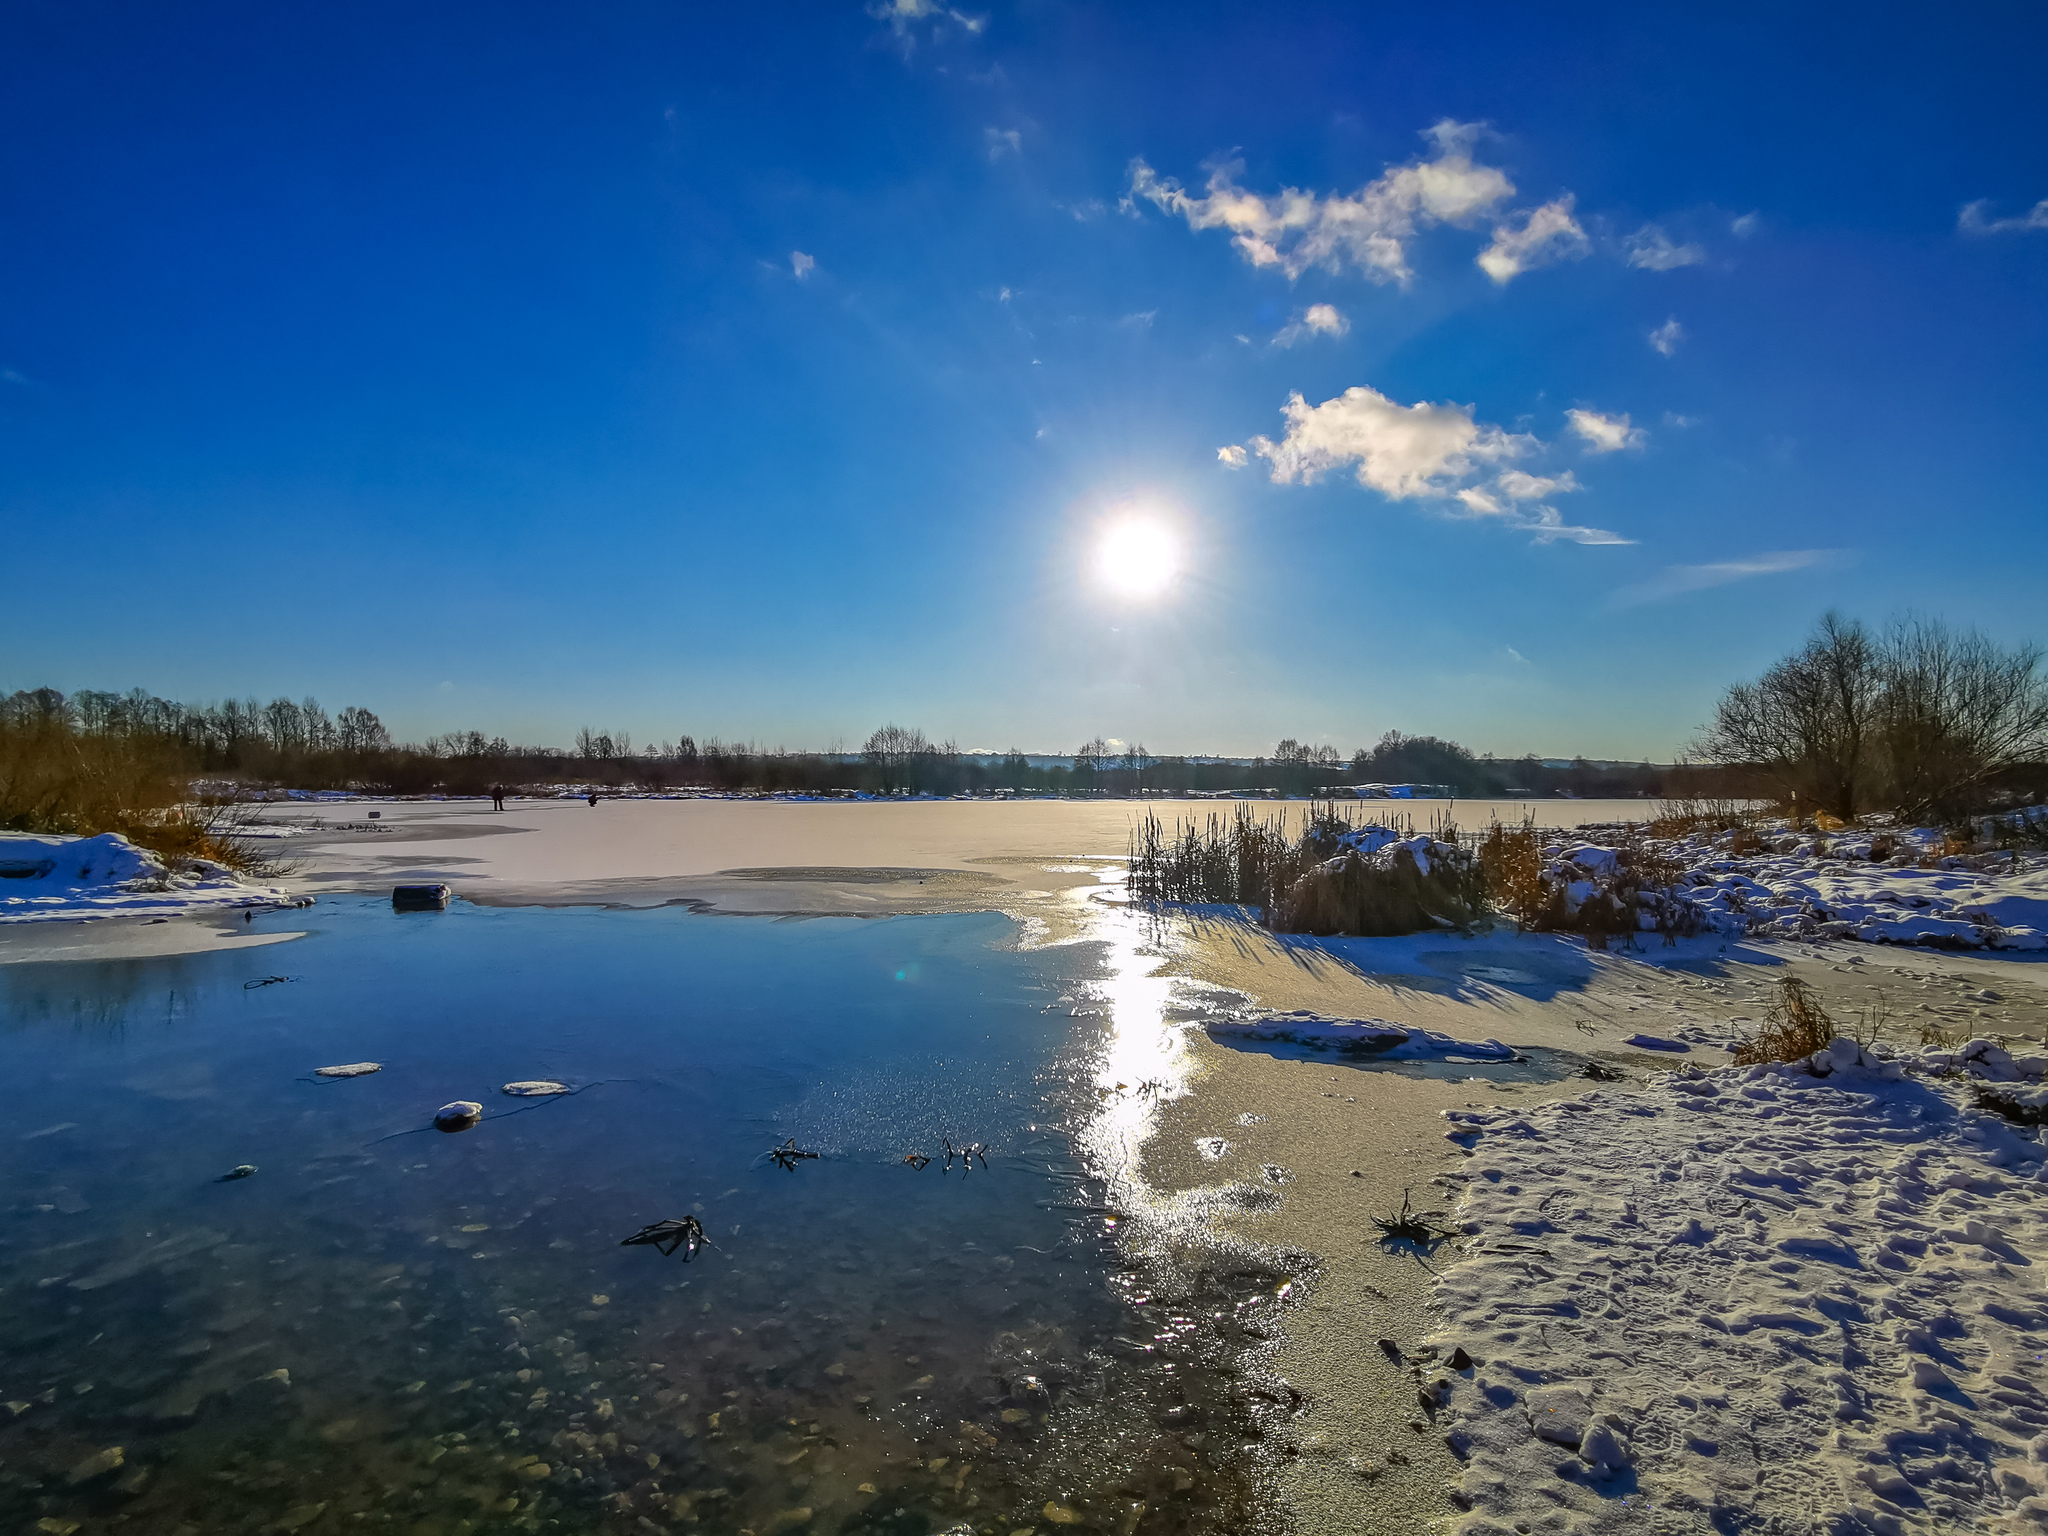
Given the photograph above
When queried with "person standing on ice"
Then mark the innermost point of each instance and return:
(593, 799)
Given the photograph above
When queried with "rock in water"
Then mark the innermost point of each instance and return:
(458, 1116)
(535, 1089)
(351, 1069)
(239, 1171)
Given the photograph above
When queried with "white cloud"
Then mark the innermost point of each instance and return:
(904, 15)
(1402, 451)
(1606, 434)
(1085, 211)
(1673, 419)
(1518, 485)
(1316, 320)
(1676, 579)
(1515, 655)
(1141, 320)
(1971, 220)
(1667, 337)
(1002, 295)
(1651, 249)
(803, 266)
(1296, 230)
(1001, 142)
(1743, 227)
(1233, 456)
(1548, 234)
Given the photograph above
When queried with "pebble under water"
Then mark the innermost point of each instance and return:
(385, 1327)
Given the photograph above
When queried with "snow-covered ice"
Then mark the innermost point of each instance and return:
(1776, 1298)
(55, 878)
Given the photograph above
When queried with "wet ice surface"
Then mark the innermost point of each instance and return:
(388, 1327)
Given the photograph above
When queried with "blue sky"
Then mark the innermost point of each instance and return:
(773, 372)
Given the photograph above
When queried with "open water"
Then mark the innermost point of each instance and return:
(389, 1328)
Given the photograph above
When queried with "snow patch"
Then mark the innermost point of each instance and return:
(1802, 1295)
(57, 878)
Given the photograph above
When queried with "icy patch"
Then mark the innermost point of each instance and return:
(53, 879)
(1358, 1037)
(1800, 1296)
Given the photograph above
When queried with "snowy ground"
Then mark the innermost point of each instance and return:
(1879, 886)
(1754, 1300)
(53, 879)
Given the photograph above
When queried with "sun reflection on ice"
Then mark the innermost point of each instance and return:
(1144, 1060)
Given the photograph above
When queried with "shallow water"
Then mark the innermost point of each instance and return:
(391, 1327)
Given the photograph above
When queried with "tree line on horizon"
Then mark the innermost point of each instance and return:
(298, 744)
(1919, 718)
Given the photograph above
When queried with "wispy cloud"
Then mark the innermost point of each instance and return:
(1666, 337)
(1232, 456)
(1296, 230)
(1001, 142)
(1518, 485)
(904, 17)
(1653, 250)
(1316, 320)
(1971, 220)
(1547, 234)
(1424, 452)
(803, 266)
(1606, 434)
(1085, 211)
(1139, 320)
(1744, 226)
(1675, 580)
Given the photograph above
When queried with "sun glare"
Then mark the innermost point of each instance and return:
(1137, 558)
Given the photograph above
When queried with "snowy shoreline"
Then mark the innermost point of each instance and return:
(1757, 1298)
(47, 879)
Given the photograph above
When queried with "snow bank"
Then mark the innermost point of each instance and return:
(1882, 887)
(1360, 1037)
(1800, 1297)
(51, 879)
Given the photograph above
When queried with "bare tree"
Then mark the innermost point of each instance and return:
(897, 753)
(1955, 709)
(358, 731)
(1807, 723)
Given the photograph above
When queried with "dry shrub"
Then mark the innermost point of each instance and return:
(1307, 882)
(1378, 896)
(1511, 858)
(1797, 1026)
(1746, 841)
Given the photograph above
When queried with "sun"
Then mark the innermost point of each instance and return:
(1137, 558)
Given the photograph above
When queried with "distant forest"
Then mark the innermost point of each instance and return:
(298, 744)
